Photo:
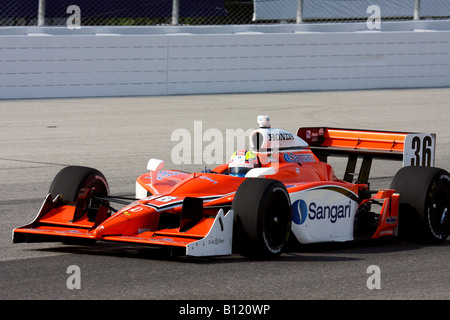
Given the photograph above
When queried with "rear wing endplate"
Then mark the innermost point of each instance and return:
(413, 149)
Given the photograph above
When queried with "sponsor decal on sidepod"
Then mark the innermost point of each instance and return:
(301, 211)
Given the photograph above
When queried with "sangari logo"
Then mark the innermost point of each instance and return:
(301, 211)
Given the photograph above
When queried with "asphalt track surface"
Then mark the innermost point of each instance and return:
(119, 135)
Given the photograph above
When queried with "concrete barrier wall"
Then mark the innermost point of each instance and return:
(192, 60)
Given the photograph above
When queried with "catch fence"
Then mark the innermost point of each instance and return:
(212, 12)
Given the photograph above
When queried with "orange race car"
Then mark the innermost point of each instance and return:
(281, 187)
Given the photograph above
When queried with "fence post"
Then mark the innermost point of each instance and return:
(416, 9)
(41, 13)
(175, 11)
(299, 11)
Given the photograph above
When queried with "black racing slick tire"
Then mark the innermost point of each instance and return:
(71, 180)
(424, 203)
(262, 218)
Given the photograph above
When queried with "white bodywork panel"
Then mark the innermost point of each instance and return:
(322, 214)
(219, 239)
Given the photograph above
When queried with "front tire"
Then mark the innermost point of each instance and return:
(72, 180)
(262, 218)
(424, 203)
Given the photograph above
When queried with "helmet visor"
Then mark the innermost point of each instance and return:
(239, 171)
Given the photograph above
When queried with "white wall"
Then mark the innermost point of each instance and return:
(59, 63)
(78, 66)
(322, 61)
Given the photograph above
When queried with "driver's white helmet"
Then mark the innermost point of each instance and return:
(241, 162)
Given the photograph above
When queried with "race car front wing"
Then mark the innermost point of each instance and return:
(58, 220)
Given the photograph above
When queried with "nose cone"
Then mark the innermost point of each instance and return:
(130, 221)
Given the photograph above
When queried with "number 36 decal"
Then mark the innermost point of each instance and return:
(419, 150)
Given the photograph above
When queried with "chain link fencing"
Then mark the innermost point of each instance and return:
(212, 12)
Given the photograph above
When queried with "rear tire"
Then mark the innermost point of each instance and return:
(424, 203)
(262, 218)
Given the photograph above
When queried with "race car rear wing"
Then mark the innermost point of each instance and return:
(414, 149)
